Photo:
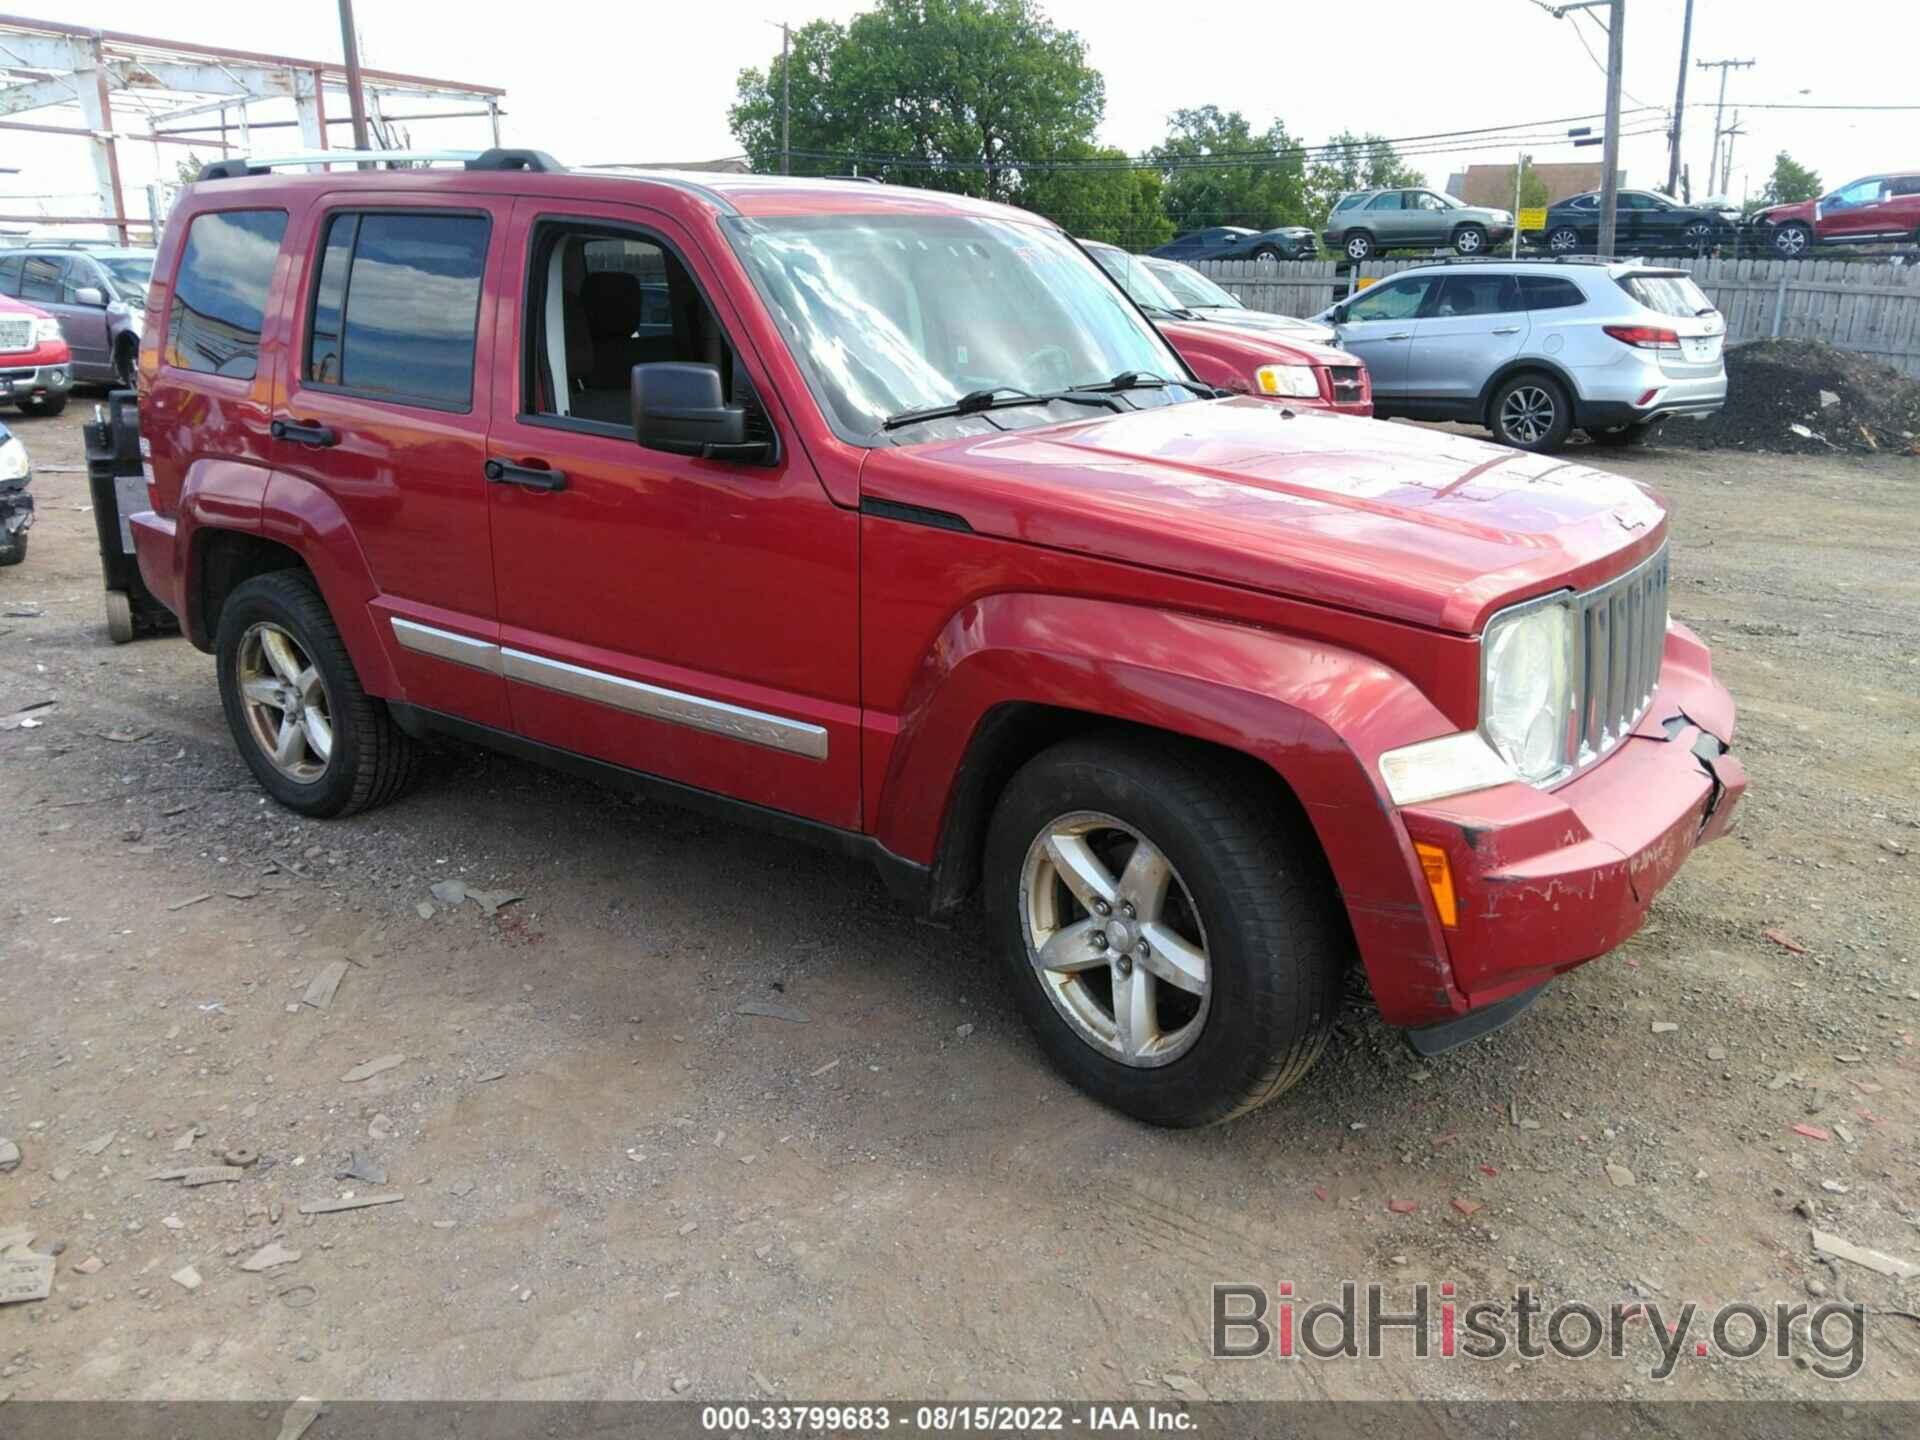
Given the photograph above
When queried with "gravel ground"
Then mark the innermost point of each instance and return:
(617, 1185)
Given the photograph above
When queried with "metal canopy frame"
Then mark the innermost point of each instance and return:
(49, 66)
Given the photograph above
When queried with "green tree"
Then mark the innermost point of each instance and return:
(1114, 201)
(1354, 162)
(1791, 182)
(1219, 172)
(976, 85)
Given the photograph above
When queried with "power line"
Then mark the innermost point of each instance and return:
(1598, 63)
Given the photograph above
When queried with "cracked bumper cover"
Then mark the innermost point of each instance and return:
(1548, 879)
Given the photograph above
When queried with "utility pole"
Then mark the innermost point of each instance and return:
(351, 44)
(1726, 162)
(1519, 173)
(786, 99)
(1723, 66)
(1616, 56)
(1680, 103)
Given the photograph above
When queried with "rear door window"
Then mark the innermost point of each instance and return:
(1388, 201)
(1477, 295)
(220, 297)
(396, 306)
(1670, 294)
(40, 278)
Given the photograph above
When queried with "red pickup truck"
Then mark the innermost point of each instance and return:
(884, 518)
(36, 365)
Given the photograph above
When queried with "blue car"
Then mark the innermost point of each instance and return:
(1236, 242)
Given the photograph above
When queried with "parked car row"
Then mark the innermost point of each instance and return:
(98, 294)
(905, 530)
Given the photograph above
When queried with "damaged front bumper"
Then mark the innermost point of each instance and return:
(1547, 879)
(16, 514)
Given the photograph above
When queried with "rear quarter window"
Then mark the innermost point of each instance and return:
(220, 296)
(1675, 295)
(1550, 292)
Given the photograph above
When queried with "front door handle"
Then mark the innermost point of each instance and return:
(1507, 330)
(1399, 335)
(315, 437)
(530, 477)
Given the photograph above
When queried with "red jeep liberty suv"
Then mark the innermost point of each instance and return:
(883, 516)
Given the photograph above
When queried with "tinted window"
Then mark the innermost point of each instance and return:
(397, 304)
(9, 274)
(80, 274)
(221, 293)
(1348, 202)
(1388, 201)
(1477, 295)
(40, 277)
(1550, 292)
(1397, 300)
(1905, 185)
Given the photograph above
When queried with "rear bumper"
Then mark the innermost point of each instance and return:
(1546, 880)
(1702, 395)
(153, 544)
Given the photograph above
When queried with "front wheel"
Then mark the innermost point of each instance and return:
(1469, 240)
(314, 739)
(1174, 943)
(48, 405)
(1359, 246)
(1699, 238)
(1532, 412)
(1792, 240)
(1268, 253)
(1563, 240)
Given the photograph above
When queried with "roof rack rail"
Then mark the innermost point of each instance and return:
(494, 159)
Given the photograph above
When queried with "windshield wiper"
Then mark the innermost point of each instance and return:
(1144, 380)
(975, 402)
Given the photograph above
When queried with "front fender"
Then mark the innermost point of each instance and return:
(1317, 714)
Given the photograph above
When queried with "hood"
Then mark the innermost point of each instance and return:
(1774, 214)
(1414, 525)
(11, 306)
(1258, 344)
(1266, 322)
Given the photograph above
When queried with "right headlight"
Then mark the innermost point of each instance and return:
(46, 328)
(1526, 689)
(13, 459)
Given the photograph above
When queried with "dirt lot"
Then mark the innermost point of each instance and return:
(616, 1185)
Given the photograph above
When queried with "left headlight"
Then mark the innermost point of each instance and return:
(1526, 689)
(46, 328)
(13, 459)
(1294, 381)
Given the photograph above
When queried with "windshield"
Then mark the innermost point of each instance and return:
(1191, 288)
(895, 313)
(1135, 278)
(130, 275)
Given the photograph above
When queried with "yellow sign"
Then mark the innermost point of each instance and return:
(1534, 219)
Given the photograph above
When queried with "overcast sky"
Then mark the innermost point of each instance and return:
(651, 81)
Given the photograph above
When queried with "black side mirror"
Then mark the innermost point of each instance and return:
(1339, 316)
(679, 408)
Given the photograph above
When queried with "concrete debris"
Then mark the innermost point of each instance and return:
(268, 1256)
(1812, 1132)
(380, 1128)
(1184, 1385)
(98, 1147)
(1875, 1260)
(239, 1156)
(769, 1010)
(1716, 1052)
(424, 910)
(963, 1031)
(9, 1156)
(350, 1202)
(25, 1277)
(1620, 1175)
(185, 901)
(448, 892)
(301, 1414)
(1781, 938)
(173, 1222)
(370, 1068)
(494, 901)
(359, 1167)
(1664, 1027)
(1403, 1207)
(321, 991)
(489, 1077)
(186, 1277)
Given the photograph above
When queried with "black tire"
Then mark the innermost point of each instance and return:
(1792, 240)
(1622, 435)
(12, 552)
(1267, 252)
(1358, 245)
(1470, 240)
(126, 366)
(1553, 413)
(1699, 238)
(372, 760)
(1276, 940)
(48, 405)
(1563, 240)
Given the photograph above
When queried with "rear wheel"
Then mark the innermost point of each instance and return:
(1470, 240)
(1359, 245)
(1531, 411)
(1792, 240)
(1174, 944)
(1699, 237)
(126, 366)
(1563, 240)
(13, 551)
(314, 739)
(1622, 435)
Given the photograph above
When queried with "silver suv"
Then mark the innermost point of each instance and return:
(1365, 222)
(1534, 349)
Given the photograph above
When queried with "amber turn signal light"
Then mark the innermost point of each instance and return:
(1433, 862)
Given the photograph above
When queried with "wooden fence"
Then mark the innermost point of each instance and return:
(1872, 309)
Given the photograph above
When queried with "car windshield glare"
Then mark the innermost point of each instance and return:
(1193, 289)
(894, 313)
(130, 275)
(1135, 278)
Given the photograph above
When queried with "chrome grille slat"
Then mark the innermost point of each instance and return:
(16, 334)
(1620, 635)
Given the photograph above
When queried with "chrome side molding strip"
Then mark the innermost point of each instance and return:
(446, 645)
(676, 707)
(797, 737)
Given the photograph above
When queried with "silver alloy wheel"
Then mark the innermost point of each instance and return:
(1700, 235)
(1467, 242)
(1359, 248)
(1790, 240)
(288, 711)
(1115, 939)
(1564, 241)
(1526, 415)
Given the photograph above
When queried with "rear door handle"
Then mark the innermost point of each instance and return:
(317, 437)
(1400, 335)
(530, 477)
(1507, 330)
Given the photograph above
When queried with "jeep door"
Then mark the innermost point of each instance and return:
(382, 420)
(1475, 325)
(1379, 328)
(694, 619)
